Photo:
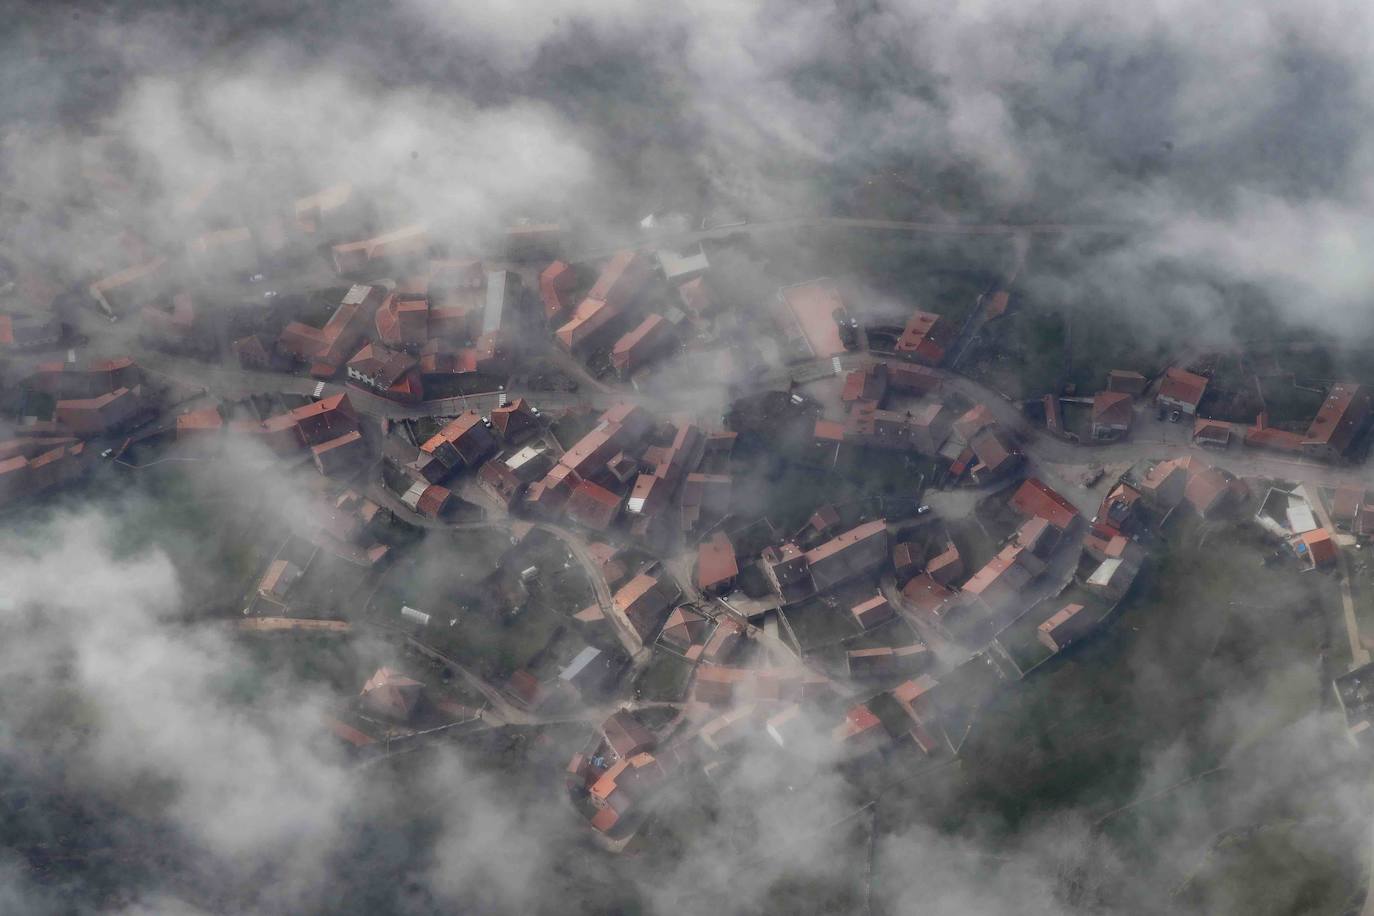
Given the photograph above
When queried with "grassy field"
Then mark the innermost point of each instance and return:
(664, 678)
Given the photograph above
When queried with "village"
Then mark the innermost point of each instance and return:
(595, 486)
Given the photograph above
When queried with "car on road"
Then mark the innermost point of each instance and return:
(270, 294)
(108, 453)
(256, 278)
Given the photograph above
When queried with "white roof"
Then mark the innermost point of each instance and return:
(1300, 517)
(678, 266)
(1104, 573)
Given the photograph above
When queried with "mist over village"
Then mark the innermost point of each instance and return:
(854, 456)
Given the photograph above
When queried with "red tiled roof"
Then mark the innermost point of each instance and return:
(1034, 498)
(716, 561)
(592, 505)
(1340, 416)
(925, 338)
(1183, 386)
(1112, 408)
(555, 283)
(1321, 549)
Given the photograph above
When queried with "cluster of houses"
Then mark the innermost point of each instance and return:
(92, 400)
(1341, 419)
(614, 311)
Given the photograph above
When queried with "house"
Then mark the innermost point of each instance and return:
(1111, 415)
(427, 499)
(716, 564)
(724, 642)
(697, 298)
(626, 736)
(199, 424)
(620, 282)
(974, 421)
(1318, 548)
(28, 332)
(912, 379)
(1208, 489)
(685, 630)
(119, 293)
(588, 671)
(326, 348)
(391, 695)
(998, 584)
(1037, 500)
(873, 611)
(861, 732)
(1064, 626)
(1113, 577)
(393, 374)
(1054, 414)
(1338, 421)
(786, 568)
(556, 283)
(101, 415)
(927, 596)
(592, 506)
(1261, 435)
(650, 337)
(708, 494)
(503, 288)
(514, 422)
(1126, 382)
(923, 429)
(340, 453)
(645, 601)
(500, 483)
(1165, 483)
(1181, 390)
(946, 566)
(716, 685)
(622, 279)
(276, 583)
(1211, 433)
(860, 550)
(865, 386)
(466, 436)
(926, 339)
(586, 324)
(906, 561)
(408, 241)
(323, 420)
(996, 456)
(1119, 507)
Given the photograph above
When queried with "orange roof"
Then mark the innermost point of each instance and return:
(1183, 386)
(1321, 549)
(1112, 408)
(591, 316)
(829, 430)
(207, 418)
(925, 338)
(1033, 497)
(1339, 417)
(716, 561)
